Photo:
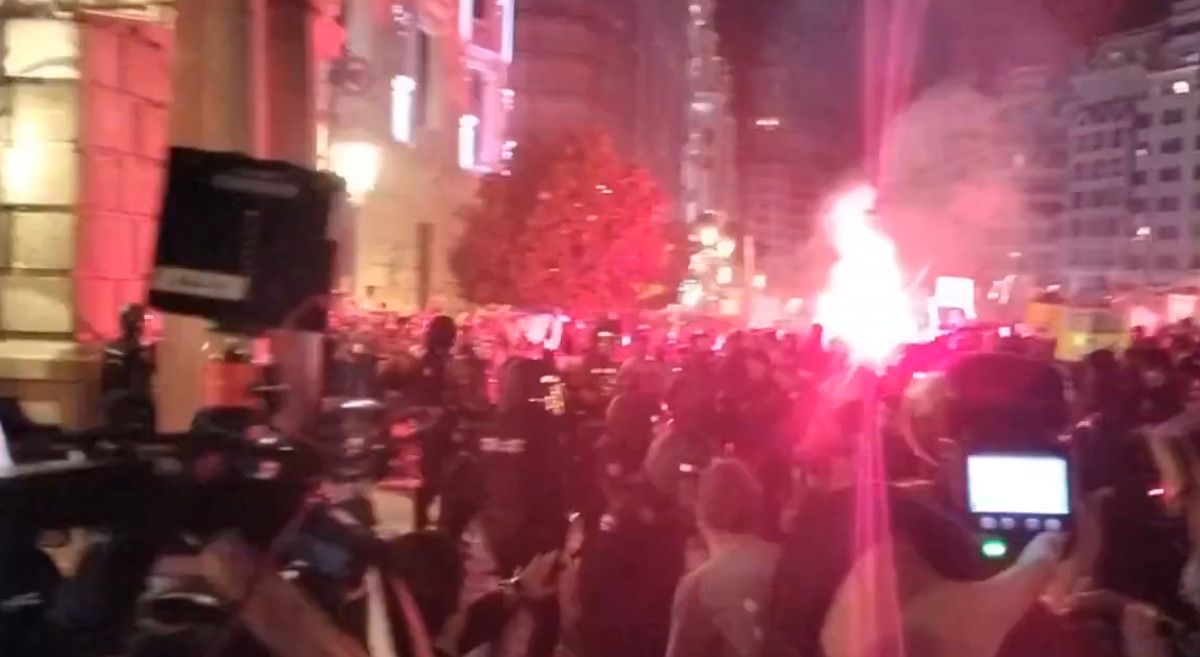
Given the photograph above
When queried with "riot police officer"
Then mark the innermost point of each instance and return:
(126, 375)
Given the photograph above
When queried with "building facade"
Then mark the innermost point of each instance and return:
(573, 68)
(769, 156)
(1033, 111)
(709, 172)
(83, 142)
(1100, 245)
(433, 111)
(97, 92)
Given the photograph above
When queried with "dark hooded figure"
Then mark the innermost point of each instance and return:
(432, 389)
(127, 374)
(524, 510)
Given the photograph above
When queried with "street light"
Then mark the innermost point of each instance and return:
(709, 235)
(358, 163)
(726, 247)
(1144, 234)
(725, 275)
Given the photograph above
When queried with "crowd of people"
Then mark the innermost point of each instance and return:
(706, 495)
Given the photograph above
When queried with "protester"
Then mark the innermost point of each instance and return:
(720, 607)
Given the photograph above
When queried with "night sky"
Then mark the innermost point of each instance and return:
(963, 39)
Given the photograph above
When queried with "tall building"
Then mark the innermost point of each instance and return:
(1165, 232)
(769, 152)
(1100, 244)
(1033, 109)
(710, 149)
(573, 68)
(431, 111)
(661, 98)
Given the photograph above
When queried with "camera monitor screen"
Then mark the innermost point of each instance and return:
(1018, 485)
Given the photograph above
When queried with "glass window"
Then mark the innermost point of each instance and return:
(1173, 145)
(1142, 121)
(1076, 200)
(1166, 262)
(1139, 177)
(1168, 204)
(1169, 174)
(41, 48)
(1172, 116)
(1137, 204)
(1167, 233)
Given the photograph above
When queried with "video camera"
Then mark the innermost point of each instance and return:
(197, 482)
(1008, 414)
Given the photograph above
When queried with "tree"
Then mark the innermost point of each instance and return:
(576, 228)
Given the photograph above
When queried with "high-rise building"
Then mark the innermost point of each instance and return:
(1101, 240)
(1033, 107)
(769, 152)
(573, 68)
(709, 151)
(1165, 245)
(662, 92)
(617, 66)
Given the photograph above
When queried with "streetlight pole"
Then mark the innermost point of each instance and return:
(1144, 234)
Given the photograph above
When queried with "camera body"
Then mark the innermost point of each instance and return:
(1014, 495)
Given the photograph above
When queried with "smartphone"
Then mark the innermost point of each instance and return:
(1019, 493)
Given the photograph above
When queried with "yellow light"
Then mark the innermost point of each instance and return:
(760, 281)
(709, 235)
(725, 275)
(22, 160)
(358, 163)
(726, 247)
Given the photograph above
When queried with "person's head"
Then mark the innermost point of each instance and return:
(631, 417)
(758, 366)
(133, 320)
(729, 499)
(441, 334)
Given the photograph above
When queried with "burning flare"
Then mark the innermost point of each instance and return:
(865, 303)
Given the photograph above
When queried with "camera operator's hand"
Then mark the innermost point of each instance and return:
(1046, 549)
(538, 580)
(1139, 632)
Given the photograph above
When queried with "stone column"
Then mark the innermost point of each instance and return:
(211, 108)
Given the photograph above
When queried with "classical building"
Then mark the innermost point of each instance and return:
(430, 115)
(95, 97)
(83, 142)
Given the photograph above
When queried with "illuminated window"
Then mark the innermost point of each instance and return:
(39, 159)
(41, 48)
(402, 108)
(467, 125)
(767, 122)
(466, 19)
(507, 37)
(1181, 87)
